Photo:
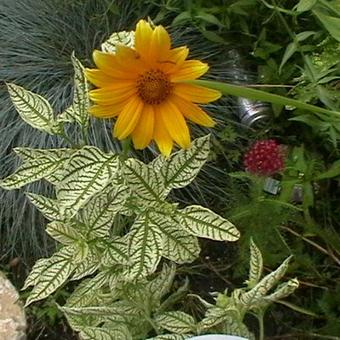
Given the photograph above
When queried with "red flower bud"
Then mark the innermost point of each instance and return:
(264, 158)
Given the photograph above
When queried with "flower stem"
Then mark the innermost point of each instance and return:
(261, 325)
(126, 147)
(243, 91)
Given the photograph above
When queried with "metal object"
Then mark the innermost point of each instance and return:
(252, 113)
(271, 186)
(297, 193)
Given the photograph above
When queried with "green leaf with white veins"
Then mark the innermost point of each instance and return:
(59, 267)
(87, 172)
(145, 183)
(171, 337)
(202, 222)
(178, 245)
(161, 284)
(28, 154)
(177, 322)
(145, 246)
(256, 294)
(63, 233)
(87, 267)
(181, 168)
(35, 273)
(256, 265)
(104, 333)
(81, 103)
(126, 38)
(98, 214)
(37, 164)
(87, 291)
(32, 108)
(283, 290)
(47, 206)
(116, 252)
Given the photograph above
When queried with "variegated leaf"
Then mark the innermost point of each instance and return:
(135, 294)
(126, 313)
(178, 245)
(32, 108)
(59, 267)
(126, 38)
(36, 272)
(87, 291)
(116, 252)
(66, 117)
(283, 290)
(161, 285)
(172, 337)
(108, 314)
(256, 265)
(47, 206)
(30, 155)
(145, 247)
(81, 101)
(78, 323)
(202, 222)
(213, 317)
(92, 310)
(181, 168)
(234, 326)
(145, 183)
(87, 267)
(177, 322)
(88, 171)
(103, 333)
(81, 250)
(256, 294)
(98, 214)
(63, 233)
(44, 164)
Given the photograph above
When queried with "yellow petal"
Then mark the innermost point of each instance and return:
(192, 112)
(162, 137)
(109, 64)
(129, 58)
(143, 133)
(112, 95)
(160, 44)
(99, 78)
(143, 37)
(175, 123)
(107, 111)
(190, 70)
(128, 118)
(124, 53)
(174, 59)
(196, 94)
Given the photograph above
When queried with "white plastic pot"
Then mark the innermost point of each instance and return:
(217, 337)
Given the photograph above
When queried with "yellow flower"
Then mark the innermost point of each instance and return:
(145, 88)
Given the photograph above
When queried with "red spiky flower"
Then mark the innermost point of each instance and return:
(264, 158)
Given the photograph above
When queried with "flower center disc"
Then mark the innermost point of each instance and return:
(153, 87)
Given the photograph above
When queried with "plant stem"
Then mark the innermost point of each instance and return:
(126, 147)
(84, 131)
(261, 325)
(67, 139)
(242, 91)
